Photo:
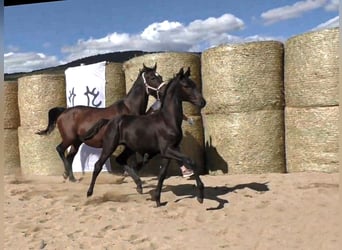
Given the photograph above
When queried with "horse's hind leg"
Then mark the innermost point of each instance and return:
(161, 178)
(122, 160)
(61, 150)
(175, 154)
(70, 158)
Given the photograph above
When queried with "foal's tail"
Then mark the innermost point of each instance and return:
(93, 130)
(54, 113)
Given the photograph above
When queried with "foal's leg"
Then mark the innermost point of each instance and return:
(122, 160)
(161, 178)
(175, 154)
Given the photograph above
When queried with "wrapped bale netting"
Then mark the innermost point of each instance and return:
(312, 69)
(245, 143)
(11, 152)
(192, 145)
(11, 111)
(38, 155)
(37, 94)
(243, 77)
(168, 65)
(115, 83)
(311, 136)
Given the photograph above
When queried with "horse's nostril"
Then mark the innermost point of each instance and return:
(203, 103)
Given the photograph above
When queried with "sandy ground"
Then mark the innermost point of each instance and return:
(268, 211)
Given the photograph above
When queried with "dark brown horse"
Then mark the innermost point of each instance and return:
(158, 133)
(74, 122)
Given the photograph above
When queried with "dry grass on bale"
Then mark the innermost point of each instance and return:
(11, 111)
(245, 143)
(115, 83)
(11, 152)
(243, 77)
(168, 64)
(312, 69)
(312, 139)
(192, 145)
(37, 94)
(38, 155)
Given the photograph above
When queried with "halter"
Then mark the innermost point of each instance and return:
(150, 87)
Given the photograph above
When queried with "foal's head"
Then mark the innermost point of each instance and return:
(188, 90)
(151, 79)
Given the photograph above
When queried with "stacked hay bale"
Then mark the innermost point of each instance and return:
(11, 124)
(243, 119)
(311, 94)
(37, 94)
(168, 65)
(115, 83)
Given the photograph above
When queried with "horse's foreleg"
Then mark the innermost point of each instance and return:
(175, 154)
(161, 178)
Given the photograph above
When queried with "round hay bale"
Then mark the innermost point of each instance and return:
(312, 69)
(11, 111)
(38, 155)
(115, 83)
(245, 143)
(192, 145)
(168, 65)
(37, 94)
(311, 136)
(243, 77)
(11, 152)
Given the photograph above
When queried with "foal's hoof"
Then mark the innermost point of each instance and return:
(72, 179)
(89, 193)
(139, 190)
(200, 200)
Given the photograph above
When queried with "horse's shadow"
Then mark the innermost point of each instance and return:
(210, 193)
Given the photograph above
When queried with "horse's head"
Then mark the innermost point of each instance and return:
(151, 79)
(188, 89)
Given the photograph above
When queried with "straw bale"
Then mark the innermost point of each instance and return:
(245, 143)
(11, 111)
(192, 145)
(11, 151)
(38, 155)
(168, 64)
(311, 136)
(243, 77)
(37, 94)
(312, 69)
(115, 83)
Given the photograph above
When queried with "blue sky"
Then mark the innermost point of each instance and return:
(48, 34)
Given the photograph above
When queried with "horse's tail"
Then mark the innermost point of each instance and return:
(93, 130)
(54, 113)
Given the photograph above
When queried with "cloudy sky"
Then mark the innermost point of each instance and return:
(48, 34)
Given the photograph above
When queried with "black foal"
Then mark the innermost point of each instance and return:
(158, 133)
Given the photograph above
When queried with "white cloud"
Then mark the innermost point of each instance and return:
(331, 23)
(332, 5)
(291, 11)
(26, 62)
(163, 36)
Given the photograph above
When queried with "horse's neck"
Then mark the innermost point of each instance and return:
(172, 105)
(137, 98)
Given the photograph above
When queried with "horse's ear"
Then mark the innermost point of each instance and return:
(144, 66)
(181, 72)
(187, 73)
(155, 66)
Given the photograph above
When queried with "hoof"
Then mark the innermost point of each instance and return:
(89, 194)
(200, 200)
(72, 179)
(139, 190)
(65, 175)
